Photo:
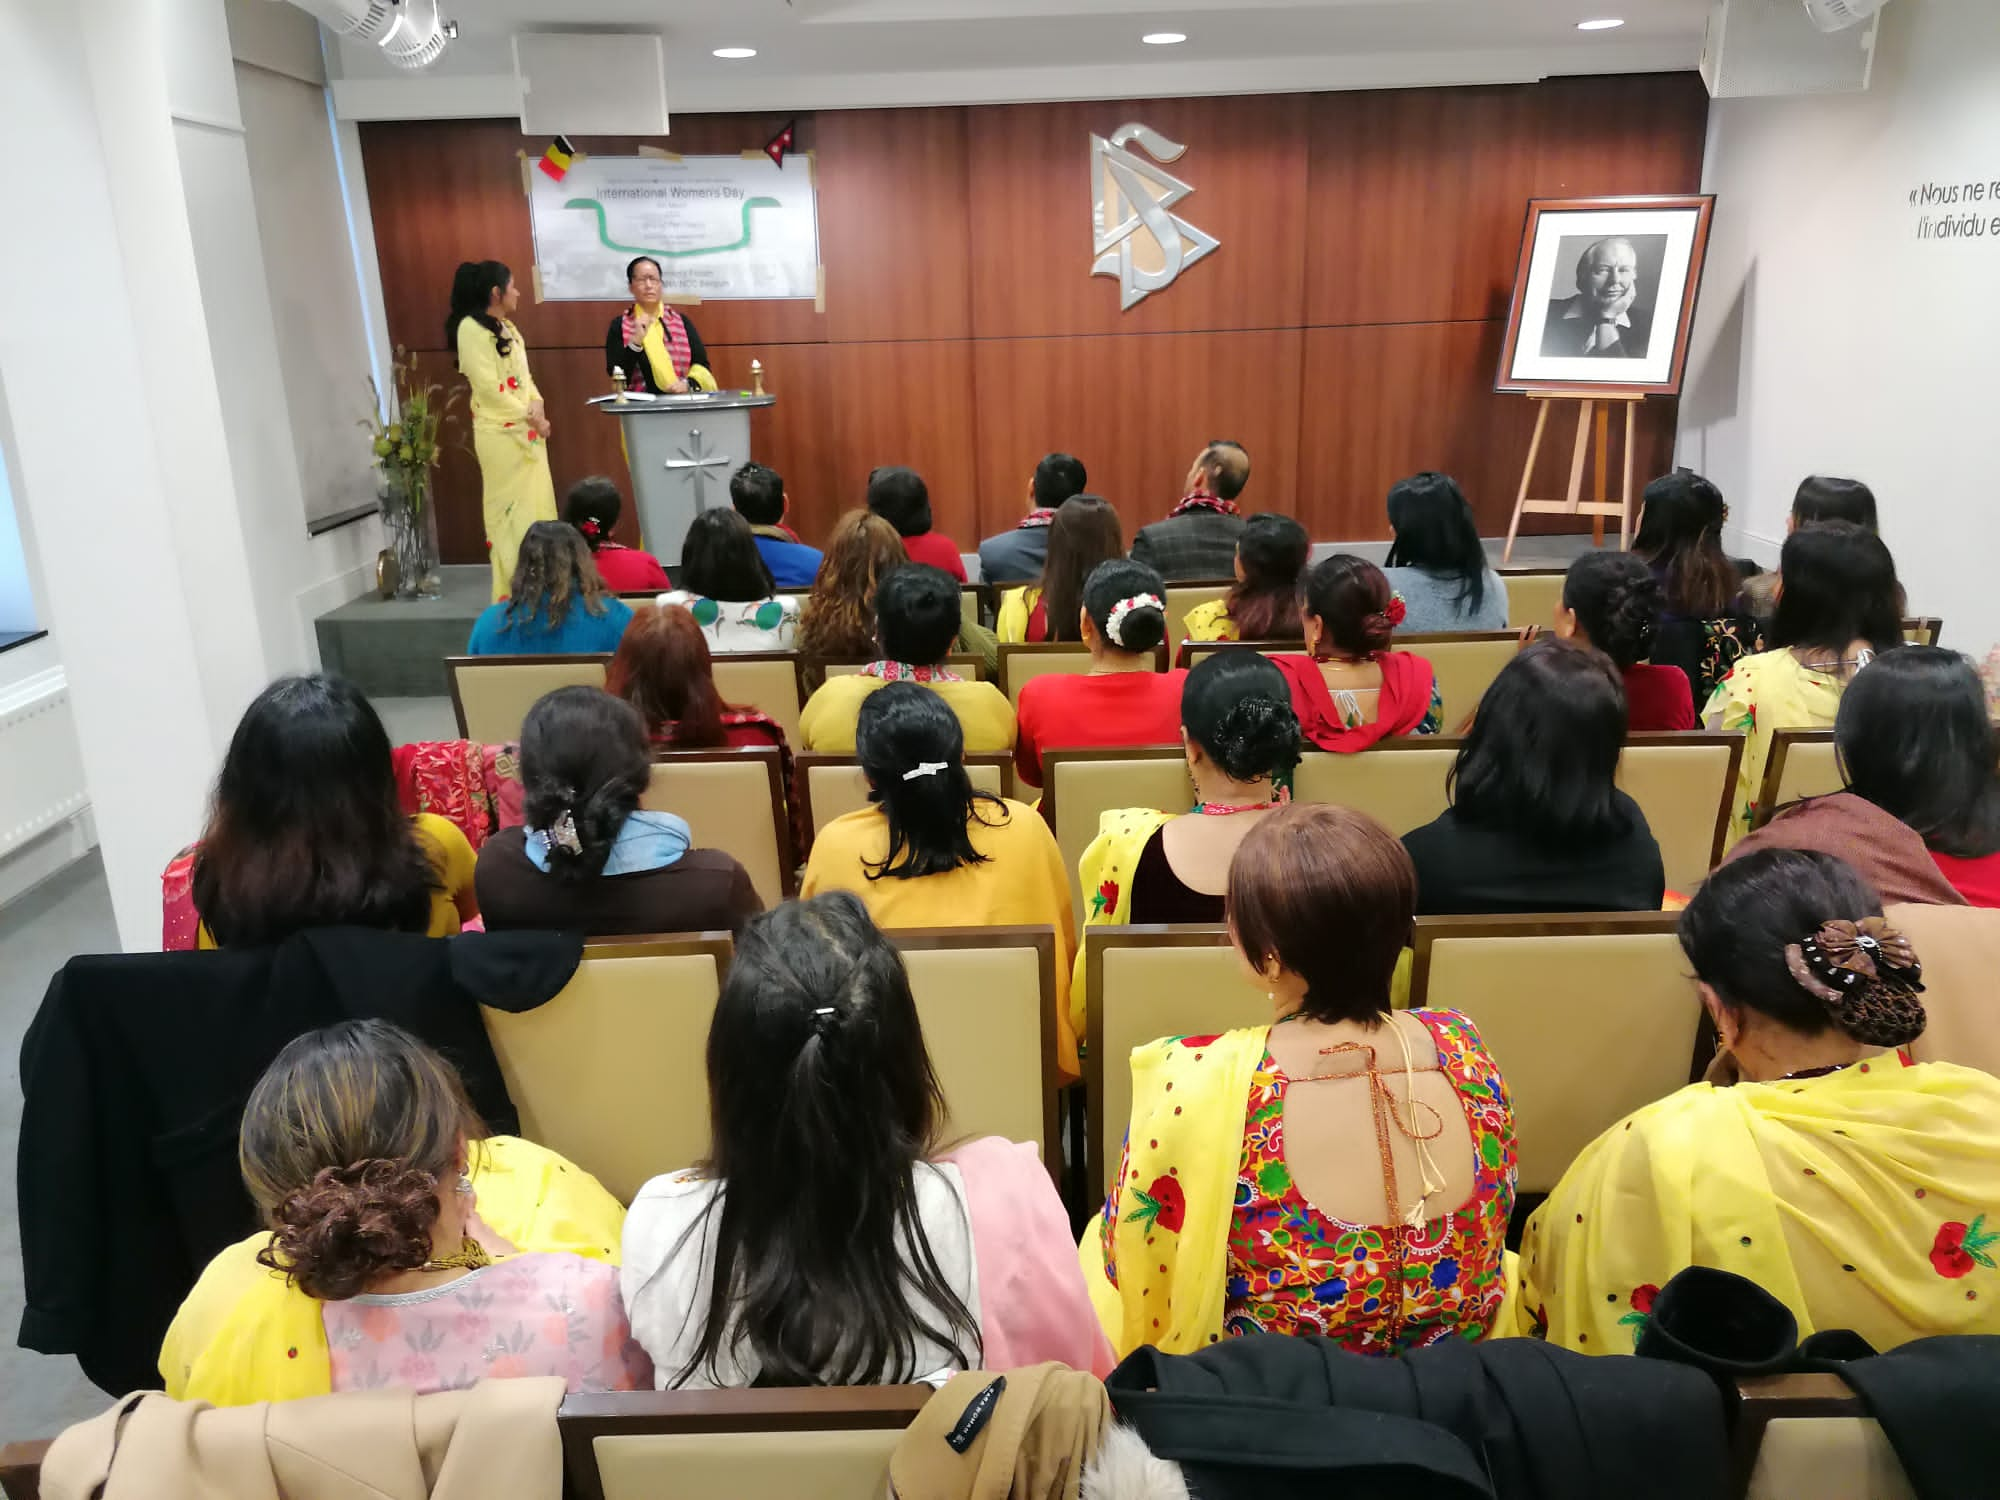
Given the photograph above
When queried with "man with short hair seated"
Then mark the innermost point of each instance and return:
(916, 620)
(1198, 538)
(1018, 556)
(759, 496)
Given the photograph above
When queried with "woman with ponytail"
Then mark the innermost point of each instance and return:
(827, 1239)
(1853, 1186)
(1350, 690)
(1612, 600)
(931, 851)
(402, 1246)
(510, 426)
(589, 858)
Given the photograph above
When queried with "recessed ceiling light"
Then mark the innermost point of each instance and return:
(1608, 23)
(1163, 38)
(735, 54)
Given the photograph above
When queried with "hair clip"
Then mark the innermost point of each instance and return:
(926, 768)
(1398, 611)
(823, 1019)
(588, 526)
(1114, 622)
(562, 832)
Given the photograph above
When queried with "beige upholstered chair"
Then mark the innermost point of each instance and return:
(1466, 662)
(611, 1072)
(1182, 597)
(831, 785)
(1588, 1017)
(1960, 949)
(767, 681)
(1078, 786)
(1924, 630)
(832, 1443)
(1532, 596)
(492, 694)
(733, 800)
(972, 603)
(1399, 783)
(1021, 664)
(1810, 1435)
(1683, 782)
(1146, 983)
(987, 999)
(1802, 763)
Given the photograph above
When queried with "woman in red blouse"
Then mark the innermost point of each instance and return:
(902, 499)
(1611, 600)
(663, 669)
(592, 507)
(1121, 700)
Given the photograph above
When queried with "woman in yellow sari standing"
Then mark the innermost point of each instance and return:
(1861, 1191)
(510, 428)
(656, 346)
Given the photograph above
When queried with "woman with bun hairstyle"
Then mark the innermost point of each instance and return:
(589, 858)
(1263, 605)
(1084, 533)
(1121, 700)
(1350, 690)
(1611, 600)
(931, 851)
(593, 506)
(402, 1245)
(830, 1237)
(1856, 1188)
(1343, 1170)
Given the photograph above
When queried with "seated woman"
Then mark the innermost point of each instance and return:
(1705, 625)
(1084, 533)
(1121, 700)
(900, 497)
(838, 618)
(725, 585)
(1536, 821)
(663, 668)
(827, 1239)
(1264, 605)
(407, 1249)
(558, 604)
(592, 506)
(590, 860)
(1611, 600)
(1350, 690)
(933, 852)
(1437, 564)
(1853, 1188)
(1839, 606)
(306, 829)
(1346, 1172)
(916, 621)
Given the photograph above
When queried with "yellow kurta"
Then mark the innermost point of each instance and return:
(513, 460)
(1866, 1199)
(1016, 605)
(827, 722)
(1019, 884)
(1211, 622)
(1761, 695)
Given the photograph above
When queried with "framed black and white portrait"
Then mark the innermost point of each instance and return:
(1604, 294)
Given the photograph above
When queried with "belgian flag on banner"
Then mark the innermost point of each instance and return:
(555, 161)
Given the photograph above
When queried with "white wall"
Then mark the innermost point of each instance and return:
(1832, 339)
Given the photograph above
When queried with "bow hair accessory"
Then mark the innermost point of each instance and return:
(1114, 622)
(1867, 976)
(589, 527)
(925, 768)
(562, 832)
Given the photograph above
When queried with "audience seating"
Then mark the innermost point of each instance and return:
(1533, 596)
(1182, 597)
(491, 695)
(832, 1442)
(1146, 983)
(1589, 1017)
(1466, 662)
(1685, 782)
(1924, 630)
(1802, 763)
(987, 998)
(1800, 1435)
(1021, 664)
(829, 785)
(772, 682)
(612, 1072)
(733, 800)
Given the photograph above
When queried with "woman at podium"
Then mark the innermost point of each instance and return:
(510, 427)
(656, 347)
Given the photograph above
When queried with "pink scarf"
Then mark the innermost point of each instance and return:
(902, 671)
(678, 349)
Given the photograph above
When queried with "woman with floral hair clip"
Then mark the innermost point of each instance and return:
(1350, 690)
(593, 506)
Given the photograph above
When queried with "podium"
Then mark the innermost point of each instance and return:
(681, 451)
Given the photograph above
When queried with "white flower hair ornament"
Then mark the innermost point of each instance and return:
(1114, 622)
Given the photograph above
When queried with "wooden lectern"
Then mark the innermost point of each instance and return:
(682, 451)
(1590, 404)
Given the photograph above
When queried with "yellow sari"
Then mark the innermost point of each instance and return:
(1866, 1199)
(513, 459)
(1761, 695)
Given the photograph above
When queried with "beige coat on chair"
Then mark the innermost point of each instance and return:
(496, 1441)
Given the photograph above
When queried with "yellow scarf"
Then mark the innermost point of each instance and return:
(245, 1335)
(660, 358)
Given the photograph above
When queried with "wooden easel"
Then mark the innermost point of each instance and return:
(1590, 404)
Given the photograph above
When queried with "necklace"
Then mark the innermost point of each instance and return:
(471, 1256)
(1815, 1072)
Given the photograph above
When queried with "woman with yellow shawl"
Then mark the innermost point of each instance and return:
(1860, 1190)
(510, 426)
(656, 347)
(402, 1249)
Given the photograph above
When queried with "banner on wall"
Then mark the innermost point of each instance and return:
(721, 227)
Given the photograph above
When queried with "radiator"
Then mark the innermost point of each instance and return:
(41, 770)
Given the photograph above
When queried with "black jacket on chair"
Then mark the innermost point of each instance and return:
(134, 1075)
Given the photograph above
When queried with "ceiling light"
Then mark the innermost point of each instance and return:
(1163, 38)
(1609, 23)
(735, 54)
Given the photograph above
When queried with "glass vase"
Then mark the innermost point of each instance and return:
(409, 529)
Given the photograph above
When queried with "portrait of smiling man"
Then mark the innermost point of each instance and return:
(1608, 317)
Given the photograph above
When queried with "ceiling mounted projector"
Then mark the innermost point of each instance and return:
(411, 33)
(1838, 15)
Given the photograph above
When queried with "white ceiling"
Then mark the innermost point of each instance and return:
(851, 53)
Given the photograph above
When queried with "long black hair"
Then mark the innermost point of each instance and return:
(1542, 756)
(1264, 603)
(1435, 531)
(1837, 586)
(584, 753)
(720, 560)
(306, 829)
(1914, 739)
(1084, 534)
(1616, 601)
(1237, 707)
(822, 1105)
(912, 750)
(472, 289)
(1110, 584)
(1681, 535)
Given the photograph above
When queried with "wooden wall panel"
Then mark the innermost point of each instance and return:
(894, 224)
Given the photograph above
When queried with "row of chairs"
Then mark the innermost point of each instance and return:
(1791, 1435)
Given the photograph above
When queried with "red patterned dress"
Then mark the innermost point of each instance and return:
(1375, 1288)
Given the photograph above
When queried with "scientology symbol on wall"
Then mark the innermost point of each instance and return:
(1135, 234)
